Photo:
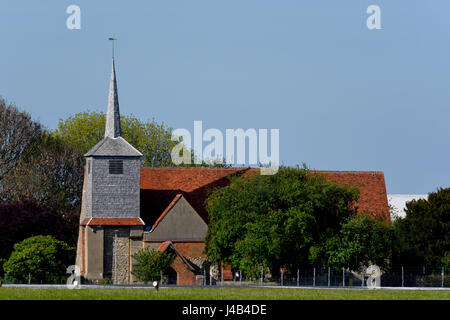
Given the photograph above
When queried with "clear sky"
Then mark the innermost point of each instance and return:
(344, 97)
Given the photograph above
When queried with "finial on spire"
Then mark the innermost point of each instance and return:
(112, 39)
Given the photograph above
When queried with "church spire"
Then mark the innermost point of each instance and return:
(112, 128)
(113, 144)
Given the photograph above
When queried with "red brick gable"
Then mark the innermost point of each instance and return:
(168, 244)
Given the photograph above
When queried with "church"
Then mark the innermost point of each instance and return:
(126, 207)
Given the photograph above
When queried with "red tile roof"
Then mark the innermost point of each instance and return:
(163, 247)
(371, 185)
(112, 222)
(185, 179)
(160, 186)
(190, 249)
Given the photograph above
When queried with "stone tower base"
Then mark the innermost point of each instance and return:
(104, 252)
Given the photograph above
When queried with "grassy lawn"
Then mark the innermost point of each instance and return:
(218, 294)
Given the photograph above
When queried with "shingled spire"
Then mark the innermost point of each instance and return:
(113, 144)
(112, 128)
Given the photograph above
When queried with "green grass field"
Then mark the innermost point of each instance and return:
(10, 293)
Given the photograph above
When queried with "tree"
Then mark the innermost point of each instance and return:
(423, 235)
(273, 221)
(17, 132)
(84, 130)
(150, 264)
(361, 241)
(42, 257)
(50, 171)
(2, 272)
(22, 219)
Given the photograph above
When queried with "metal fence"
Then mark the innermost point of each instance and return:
(329, 277)
(406, 276)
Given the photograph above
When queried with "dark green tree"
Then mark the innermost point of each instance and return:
(278, 220)
(42, 257)
(150, 264)
(423, 235)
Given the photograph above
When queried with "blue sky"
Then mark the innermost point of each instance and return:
(344, 97)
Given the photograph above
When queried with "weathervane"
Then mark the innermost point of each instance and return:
(113, 39)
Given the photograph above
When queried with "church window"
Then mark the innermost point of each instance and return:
(115, 167)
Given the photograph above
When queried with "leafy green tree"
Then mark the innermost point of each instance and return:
(43, 257)
(84, 130)
(274, 221)
(423, 235)
(150, 264)
(361, 241)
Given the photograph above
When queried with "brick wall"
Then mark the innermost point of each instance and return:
(184, 275)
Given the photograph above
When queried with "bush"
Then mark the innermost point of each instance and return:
(151, 263)
(9, 280)
(44, 258)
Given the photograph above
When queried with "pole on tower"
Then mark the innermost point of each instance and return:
(112, 39)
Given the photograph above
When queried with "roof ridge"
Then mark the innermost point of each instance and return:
(197, 168)
(96, 147)
(110, 146)
(347, 171)
(137, 220)
(170, 206)
(129, 144)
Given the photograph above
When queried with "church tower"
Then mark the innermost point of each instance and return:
(110, 216)
(113, 168)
